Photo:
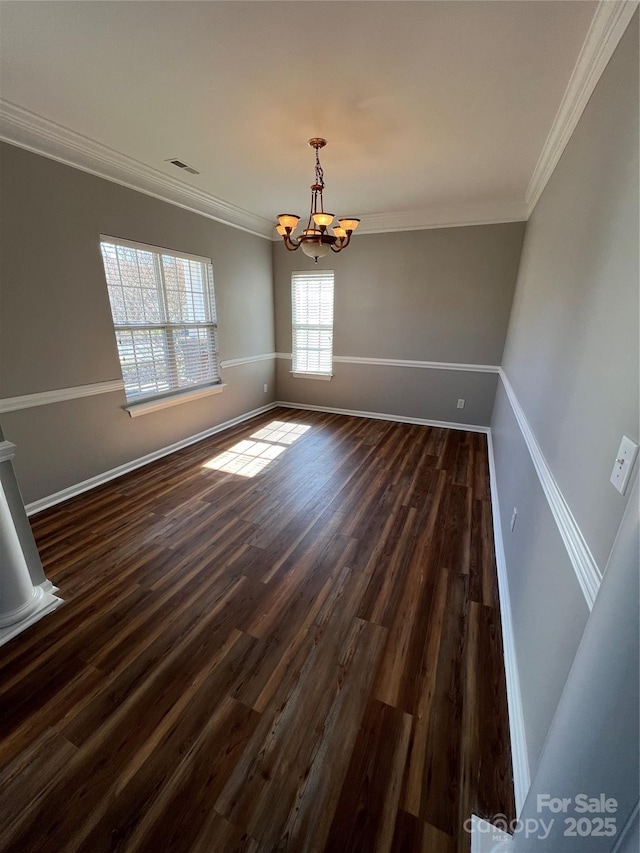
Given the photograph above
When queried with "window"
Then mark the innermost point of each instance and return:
(164, 316)
(312, 320)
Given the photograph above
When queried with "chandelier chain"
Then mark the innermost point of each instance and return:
(319, 172)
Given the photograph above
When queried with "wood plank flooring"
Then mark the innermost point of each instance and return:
(283, 638)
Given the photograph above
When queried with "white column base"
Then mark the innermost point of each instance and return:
(44, 602)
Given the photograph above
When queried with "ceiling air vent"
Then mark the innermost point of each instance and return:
(181, 165)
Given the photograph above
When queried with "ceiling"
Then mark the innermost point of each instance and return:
(434, 112)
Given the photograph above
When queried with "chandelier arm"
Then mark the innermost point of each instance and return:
(341, 243)
(291, 245)
(290, 241)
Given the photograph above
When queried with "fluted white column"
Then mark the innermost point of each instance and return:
(22, 602)
(19, 599)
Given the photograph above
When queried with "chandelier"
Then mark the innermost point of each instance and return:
(314, 240)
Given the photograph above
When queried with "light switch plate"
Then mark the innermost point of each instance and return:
(623, 465)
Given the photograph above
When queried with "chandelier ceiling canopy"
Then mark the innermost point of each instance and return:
(315, 240)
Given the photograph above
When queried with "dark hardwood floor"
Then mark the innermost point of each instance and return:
(283, 638)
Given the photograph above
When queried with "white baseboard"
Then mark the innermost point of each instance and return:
(519, 755)
(99, 479)
(380, 416)
(91, 483)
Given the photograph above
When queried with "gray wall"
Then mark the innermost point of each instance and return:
(441, 295)
(592, 745)
(436, 295)
(572, 359)
(55, 321)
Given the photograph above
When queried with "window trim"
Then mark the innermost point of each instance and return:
(311, 374)
(298, 375)
(162, 250)
(145, 404)
(173, 398)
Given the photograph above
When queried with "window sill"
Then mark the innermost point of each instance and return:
(145, 407)
(324, 376)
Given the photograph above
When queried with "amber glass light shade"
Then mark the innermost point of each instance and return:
(281, 230)
(288, 220)
(349, 224)
(339, 232)
(323, 218)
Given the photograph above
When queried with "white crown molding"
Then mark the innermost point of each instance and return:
(38, 134)
(461, 215)
(99, 479)
(584, 565)
(44, 398)
(609, 22)
(381, 416)
(247, 359)
(519, 754)
(403, 362)
(33, 132)
(84, 486)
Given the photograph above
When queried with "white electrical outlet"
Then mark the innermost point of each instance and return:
(266, 388)
(623, 465)
(514, 515)
(461, 404)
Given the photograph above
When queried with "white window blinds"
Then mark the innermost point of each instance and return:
(164, 316)
(312, 321)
